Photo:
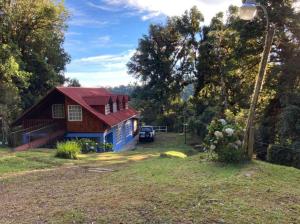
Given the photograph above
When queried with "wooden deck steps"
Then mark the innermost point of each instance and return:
(41, 141)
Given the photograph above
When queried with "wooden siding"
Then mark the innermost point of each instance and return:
(99, 108)
(89, 122)
(42, 113)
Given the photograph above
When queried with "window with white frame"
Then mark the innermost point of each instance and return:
(119, 133)
(58, 111)
(115, 107)
(128, 128)
(135, 125)
(126, 105)
(107, 109)
(74, 113)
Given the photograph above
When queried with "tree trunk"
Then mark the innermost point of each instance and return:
(249, 133)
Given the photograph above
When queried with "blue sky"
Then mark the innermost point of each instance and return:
(103, 34)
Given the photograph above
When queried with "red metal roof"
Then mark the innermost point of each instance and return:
(96, 100)
(88, 97)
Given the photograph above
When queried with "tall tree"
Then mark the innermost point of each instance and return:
(280, 123)
(164, 60)
(72, 82)
(36, 30)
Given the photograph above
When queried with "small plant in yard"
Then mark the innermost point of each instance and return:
(224, 139)
(107, 146)
(90, 146)
(67, 150)
(87, 145)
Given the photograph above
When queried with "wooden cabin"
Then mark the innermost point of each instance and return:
(78, 112)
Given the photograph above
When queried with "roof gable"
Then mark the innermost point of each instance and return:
(88, 97)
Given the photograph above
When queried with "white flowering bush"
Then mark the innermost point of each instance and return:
(225, 139)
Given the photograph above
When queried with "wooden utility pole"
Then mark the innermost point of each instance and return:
(248, 142)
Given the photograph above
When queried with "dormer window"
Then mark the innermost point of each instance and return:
(111, 106)
(107, 109)
(115, 107)
(118, 104)
(124, 104)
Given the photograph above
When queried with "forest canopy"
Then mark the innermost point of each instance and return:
(220, 63)
(32, 57)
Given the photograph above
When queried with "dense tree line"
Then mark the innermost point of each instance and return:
(221, 62)
(123, 89)
(32, 58)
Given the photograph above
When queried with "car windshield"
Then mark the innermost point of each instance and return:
(146, 129)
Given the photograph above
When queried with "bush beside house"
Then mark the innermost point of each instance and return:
(90, 146)
(68, 150)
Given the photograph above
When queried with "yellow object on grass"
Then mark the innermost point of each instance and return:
(173, 154)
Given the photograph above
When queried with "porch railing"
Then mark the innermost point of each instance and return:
(25, 136)
(33, 123)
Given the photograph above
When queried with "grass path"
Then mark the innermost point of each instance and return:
(16, 163)
(154, 190)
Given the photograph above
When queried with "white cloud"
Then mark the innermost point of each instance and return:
(154, 8)
(101, 70)
(87, 22)
(103, 7)
(106, 42)
(70, 33)
(80, 18)
(102, 41)
(107, 58)
(76, 12)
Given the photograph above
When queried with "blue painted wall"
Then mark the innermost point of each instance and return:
(127, 136)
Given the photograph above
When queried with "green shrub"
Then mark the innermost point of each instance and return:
(90, 146)
(197, 124)
(230, 154)
(284, 155)
(87, 145)
(107, 146)
(224, 139)
(67, 150)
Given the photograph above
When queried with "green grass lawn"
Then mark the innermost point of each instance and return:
(13, 162)
(146, 188)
